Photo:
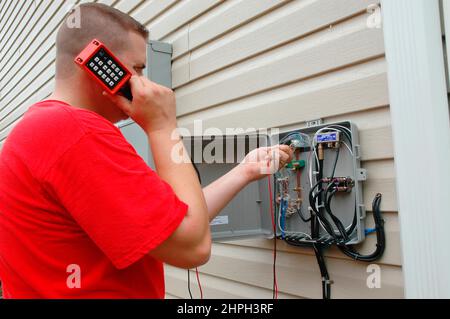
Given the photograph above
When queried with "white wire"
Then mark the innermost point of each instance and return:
(348, 147)
(340, 126)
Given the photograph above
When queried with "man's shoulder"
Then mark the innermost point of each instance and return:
(56, 115)
(48, 129)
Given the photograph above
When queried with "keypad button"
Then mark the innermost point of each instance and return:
(105, 67)
(104, 76)
(116, 79)
(96, 59)
(95, 68)
(113, 66)
(113, 75)
(117, 70)
(91, 64)
(108, 71)
(100, 63)
(120, 73)
(109, 62)
(100, 72)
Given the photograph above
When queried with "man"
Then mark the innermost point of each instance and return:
(81, 214)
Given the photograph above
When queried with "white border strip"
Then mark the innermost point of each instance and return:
(421, 132)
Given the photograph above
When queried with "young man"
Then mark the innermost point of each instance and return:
(81, 214)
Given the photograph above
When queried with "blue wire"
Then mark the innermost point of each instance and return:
(283, 217)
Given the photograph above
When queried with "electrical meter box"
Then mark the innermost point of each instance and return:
(249, 214)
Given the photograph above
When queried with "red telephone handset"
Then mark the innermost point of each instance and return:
(105, 68)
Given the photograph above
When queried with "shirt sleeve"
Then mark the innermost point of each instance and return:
(116, 198)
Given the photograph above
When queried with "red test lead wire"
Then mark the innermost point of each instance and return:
(272, 213)
(198, 282)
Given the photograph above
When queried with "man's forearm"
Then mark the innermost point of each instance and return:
(219, 193)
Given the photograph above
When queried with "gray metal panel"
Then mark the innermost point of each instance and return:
(159, 60)
(248, 214)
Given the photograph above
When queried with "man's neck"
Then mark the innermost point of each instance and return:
(79, 100)
(67, 97)
(82, 95)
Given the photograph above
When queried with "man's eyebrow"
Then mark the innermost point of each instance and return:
(140, 66)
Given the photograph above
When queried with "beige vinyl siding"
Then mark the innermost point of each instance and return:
(247, 63)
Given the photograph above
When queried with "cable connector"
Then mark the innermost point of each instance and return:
(340, 184)
(327, 281)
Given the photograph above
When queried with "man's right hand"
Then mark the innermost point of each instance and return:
(153, 107)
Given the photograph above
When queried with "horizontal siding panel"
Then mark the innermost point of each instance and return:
(11, 113)
(179, 15)
(24, 78)
(127, 5)
(152, 9)
(26, 20)
(2, 11)
(365, 119)
(380, 169)
(180, 44)
(30, 74)
(354, 89)
(4, 7)
(10, 7)
(377, 143)
(108, 2)
(272, 70)
(37, 36)
(41, 92)
(231, 14)
(20, 7)
(292, 21)
(299, 274)
(213, 287)
(386, 186)
(170, 296)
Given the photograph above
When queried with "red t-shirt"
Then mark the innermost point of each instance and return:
(73, 191)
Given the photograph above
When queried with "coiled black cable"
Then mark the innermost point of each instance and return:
(381, 237)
